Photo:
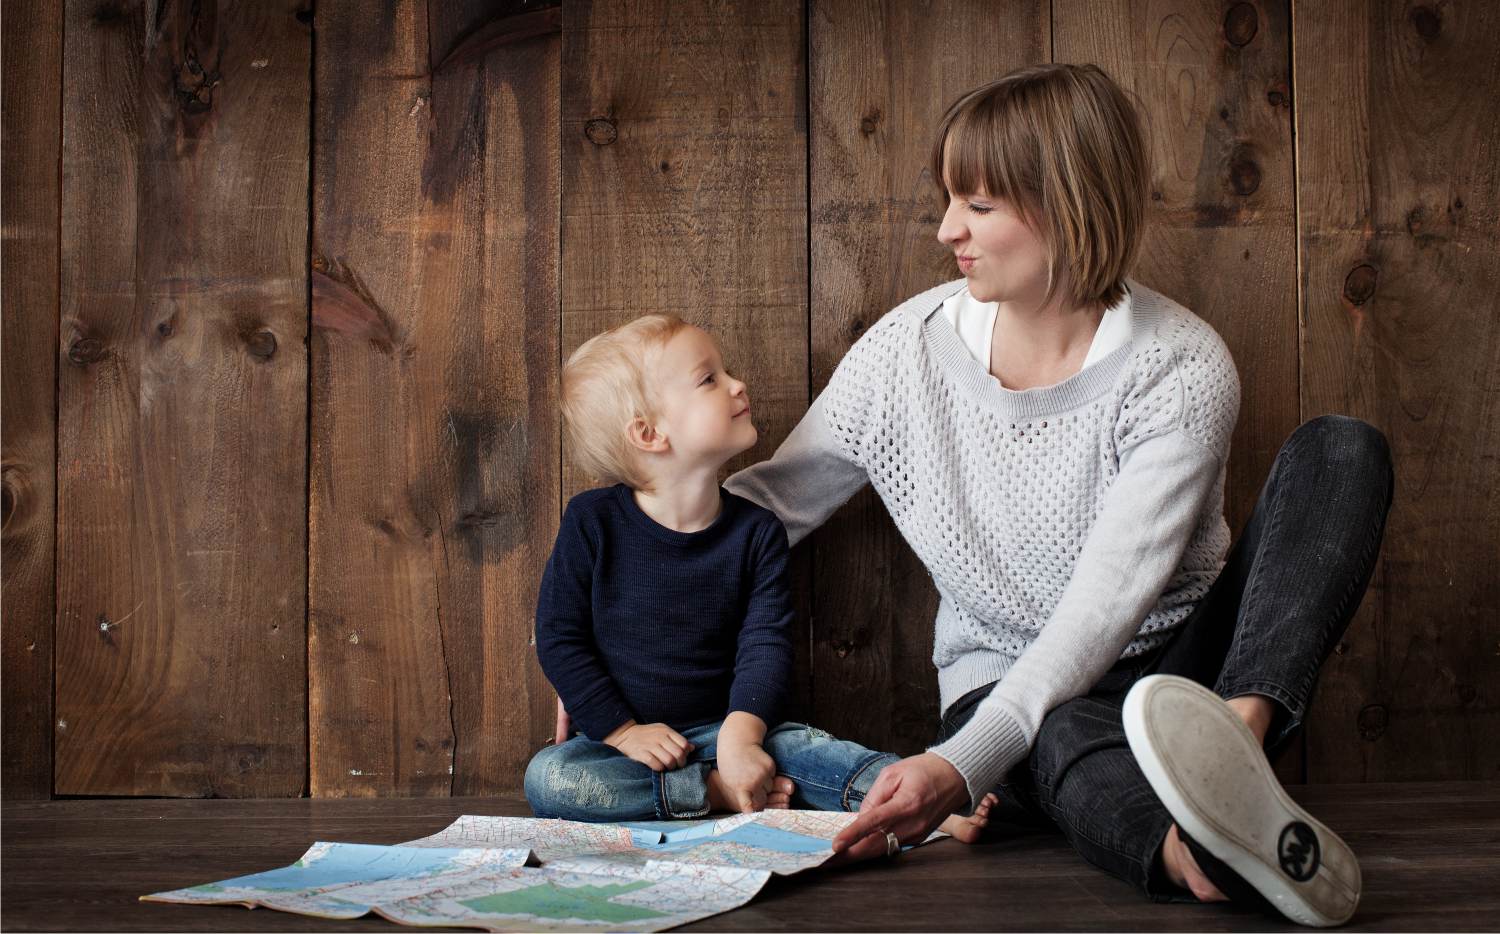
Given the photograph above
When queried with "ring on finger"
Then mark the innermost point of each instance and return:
(892, 844)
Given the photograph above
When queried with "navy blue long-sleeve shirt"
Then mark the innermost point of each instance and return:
(636, 621)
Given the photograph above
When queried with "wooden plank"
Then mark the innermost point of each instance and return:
(875, 214)
(182, 387)
(684, 165)
(1428, 852)
(434, 464)
(1400, 268)
(32, 133)
(1211, 87)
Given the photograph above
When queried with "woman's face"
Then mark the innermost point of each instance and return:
(1009, 262)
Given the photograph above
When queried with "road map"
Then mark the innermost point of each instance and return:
(531, 874)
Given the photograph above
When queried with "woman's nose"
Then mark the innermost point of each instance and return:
(951, 230)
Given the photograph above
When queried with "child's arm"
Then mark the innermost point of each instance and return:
(587, 695)
(762, 674)
(565, 634)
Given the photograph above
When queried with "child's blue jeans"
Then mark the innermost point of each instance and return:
(586, 780)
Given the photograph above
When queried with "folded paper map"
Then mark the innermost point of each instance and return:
(529, 874)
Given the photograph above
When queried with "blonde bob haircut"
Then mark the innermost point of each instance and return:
(606, 385)
(1063, 145)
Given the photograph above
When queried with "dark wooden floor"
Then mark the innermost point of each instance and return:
(1430, 855)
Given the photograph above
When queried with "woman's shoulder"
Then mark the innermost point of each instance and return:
(1190, 342)
(1184, 374)
(903, 322)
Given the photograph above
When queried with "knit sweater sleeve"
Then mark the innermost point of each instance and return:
(813, 472)
(1173, 442)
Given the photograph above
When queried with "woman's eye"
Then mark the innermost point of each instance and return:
(979, 209)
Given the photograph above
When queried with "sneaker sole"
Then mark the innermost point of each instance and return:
(1212, 776)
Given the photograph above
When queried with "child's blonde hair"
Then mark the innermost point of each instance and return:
(606, 385)
(1063, 145)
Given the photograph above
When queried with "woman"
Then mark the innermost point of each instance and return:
(1050, 438)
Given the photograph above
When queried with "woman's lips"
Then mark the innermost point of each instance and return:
(965, 263)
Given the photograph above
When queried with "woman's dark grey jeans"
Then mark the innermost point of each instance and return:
(1285, 596)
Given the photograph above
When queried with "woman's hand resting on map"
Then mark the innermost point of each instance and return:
(910, 799)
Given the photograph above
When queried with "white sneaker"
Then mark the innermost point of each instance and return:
(1212, 775)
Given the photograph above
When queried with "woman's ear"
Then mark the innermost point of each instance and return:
(645, 437)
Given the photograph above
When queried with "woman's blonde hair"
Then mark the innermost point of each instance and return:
(606, 385)
(1064, 146)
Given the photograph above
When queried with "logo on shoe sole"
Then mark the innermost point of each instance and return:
(1298, 851)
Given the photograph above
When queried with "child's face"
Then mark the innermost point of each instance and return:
(705, 412)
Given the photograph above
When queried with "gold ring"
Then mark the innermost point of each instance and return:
(892, 844)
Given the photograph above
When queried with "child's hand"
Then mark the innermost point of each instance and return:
(654, 744)
(564, 730)
(747, 772)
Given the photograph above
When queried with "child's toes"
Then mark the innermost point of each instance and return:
(778, 800)
(781, 785)
(985, 803)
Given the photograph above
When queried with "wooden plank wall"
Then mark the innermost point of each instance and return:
(182, 375)
(434, 428)
(1399, 261)
(309, 279)
(31, 129)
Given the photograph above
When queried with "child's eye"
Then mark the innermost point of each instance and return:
(707, 379)
(979, 209)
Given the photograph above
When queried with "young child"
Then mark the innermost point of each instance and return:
(664, 613)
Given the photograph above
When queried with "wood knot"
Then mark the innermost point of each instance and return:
(1359, 285)
(856, 327)
(1371, 722)
(1414, 219)
(194, 84)
(86, 350)
(870, 122)
(601, 131)
(1426, 21)
(842, 648)
(164, 329)
(1241, 24)
(1244, 176)
(1278, 96)
(262, 344)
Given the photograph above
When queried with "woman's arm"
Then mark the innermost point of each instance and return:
(1135, 546)
(1131, 552)
(806, 480)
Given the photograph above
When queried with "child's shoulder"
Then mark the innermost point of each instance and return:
(762, 521)
(589, 507)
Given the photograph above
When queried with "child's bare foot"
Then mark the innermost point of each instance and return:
(968, 829)
(781, 793)
(719, 800)
(718, 795)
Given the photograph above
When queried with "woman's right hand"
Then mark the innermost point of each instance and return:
(655, 745)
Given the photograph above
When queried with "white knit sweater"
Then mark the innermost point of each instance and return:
(1064, 527)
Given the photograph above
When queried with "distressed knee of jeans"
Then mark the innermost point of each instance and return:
(580, 785)
(815, 733)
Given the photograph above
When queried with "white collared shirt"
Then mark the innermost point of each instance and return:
(975, 323)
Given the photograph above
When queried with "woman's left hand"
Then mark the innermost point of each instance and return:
(910, 799)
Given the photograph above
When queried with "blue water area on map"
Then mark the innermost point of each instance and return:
(755, 835)
(350, 862)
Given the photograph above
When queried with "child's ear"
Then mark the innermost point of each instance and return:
(645, 437)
